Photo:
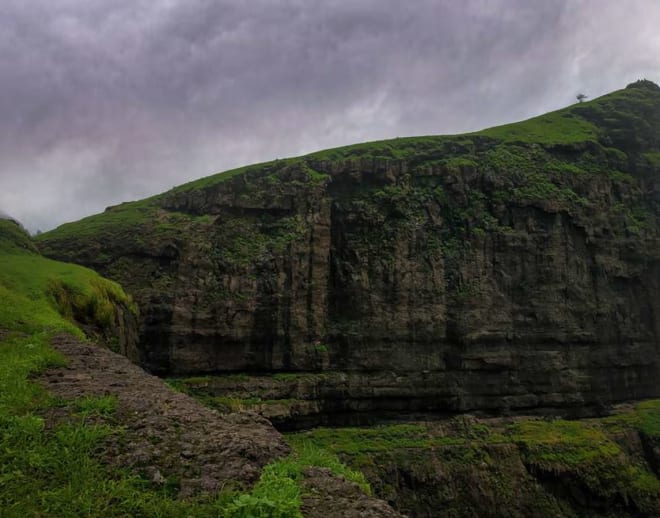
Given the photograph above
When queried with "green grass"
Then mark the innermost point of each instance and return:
(654, 158)
(645, 418)
(539, 188)
(571, 125)
(223, 176)
(285, 377)
(559, 127)
(191, 383)
(117, 219)
(13, 239)
(358, 441)
(278, 492)
(96, 406)
(649, 418)
(57, 472)
(559, 443)
(40, 294)
(585, 450)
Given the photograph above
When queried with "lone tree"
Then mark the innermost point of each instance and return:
(581, 97)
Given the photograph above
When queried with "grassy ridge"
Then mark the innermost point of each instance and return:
(57, 472)
(611, 126)
(14, 239)
(38, 294)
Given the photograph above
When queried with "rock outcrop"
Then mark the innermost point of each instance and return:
(520, 467)
(512, 269)
(164, 432)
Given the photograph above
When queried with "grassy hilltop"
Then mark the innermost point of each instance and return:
(618, 131)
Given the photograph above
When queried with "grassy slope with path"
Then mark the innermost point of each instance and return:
(56, 471)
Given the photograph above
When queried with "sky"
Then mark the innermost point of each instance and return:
(110, 101)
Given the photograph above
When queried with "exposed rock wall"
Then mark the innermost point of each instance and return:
(494, 481)
(491, 275)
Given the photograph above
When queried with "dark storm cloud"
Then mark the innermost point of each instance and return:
(109, 101)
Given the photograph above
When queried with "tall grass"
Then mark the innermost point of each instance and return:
(38, 294)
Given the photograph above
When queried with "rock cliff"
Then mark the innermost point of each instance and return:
(512, 467)
(511, 269)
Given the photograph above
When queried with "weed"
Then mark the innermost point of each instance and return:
(101, 405)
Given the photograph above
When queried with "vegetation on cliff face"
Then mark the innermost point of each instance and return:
(551, 467)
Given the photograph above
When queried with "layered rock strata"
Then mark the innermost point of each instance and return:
(510, 269)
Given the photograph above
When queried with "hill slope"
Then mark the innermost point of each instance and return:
(516, 268)
(39, 294)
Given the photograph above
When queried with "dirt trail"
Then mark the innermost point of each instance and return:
(167, 434)
(171, 436)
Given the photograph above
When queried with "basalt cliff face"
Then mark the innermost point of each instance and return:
(515, 268)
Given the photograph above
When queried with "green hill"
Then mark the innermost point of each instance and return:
(39, 294)
(614, 135)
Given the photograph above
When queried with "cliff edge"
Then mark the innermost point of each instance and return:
(511, 269)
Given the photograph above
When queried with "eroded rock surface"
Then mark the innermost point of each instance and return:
(335, 497)
(168, 435)
(520, 466)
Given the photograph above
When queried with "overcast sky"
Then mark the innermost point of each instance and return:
(107, 101)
